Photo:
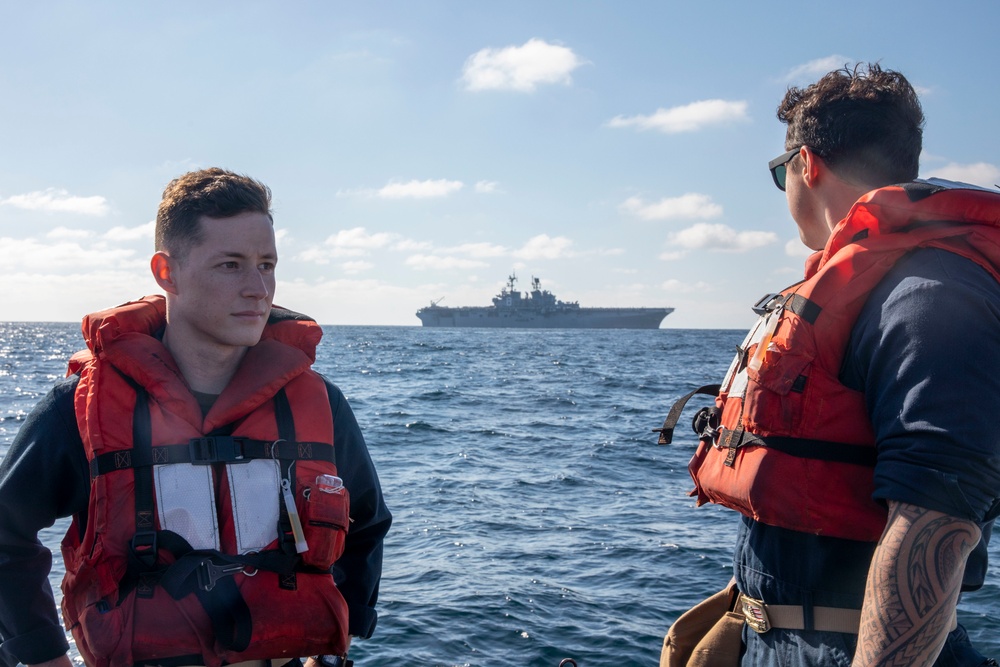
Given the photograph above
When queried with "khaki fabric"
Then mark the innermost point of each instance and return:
(708, 634)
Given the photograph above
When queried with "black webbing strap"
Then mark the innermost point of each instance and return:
(820, 450)
(211, 449)
(286, 431)
(823, 450)
(667, 430)
(143, 546)
(803, 307)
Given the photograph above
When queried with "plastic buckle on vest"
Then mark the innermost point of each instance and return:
(216, 449)
(766, 304)
(333, 660)
(144, 547)
(209, 573)
(755, 614)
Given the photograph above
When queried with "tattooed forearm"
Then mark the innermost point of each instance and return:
(913, 585)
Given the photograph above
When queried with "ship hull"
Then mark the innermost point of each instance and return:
(582, 318)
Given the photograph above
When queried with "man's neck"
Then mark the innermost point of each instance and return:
(206, 368)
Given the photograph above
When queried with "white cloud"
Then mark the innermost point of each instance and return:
(420, 189)
(520, 68)
(320, 255)
(358, 237)
(354, 242)
(687, 118)
(58, 201)
(672, 255)
(410, 245)
(979, 173)
(60, 256)
(487, 187)
(118, 234)
(65, 234)
(353, 268)
(795, 248)
(688, 206)
(679, 287)
(479, 250)
(719, 237)
(814, 69)
(544, 246)
(421, 262)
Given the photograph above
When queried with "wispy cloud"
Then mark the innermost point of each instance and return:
(810, 71)
(354, 268)
(58, 201)
(520, 68)
(33, 255)
(705, 236)
(690, 206)
(420, 189)
(478, 250)
(795, 248)
(421, 262)
(687, 118)
(979, 173)
(544, 246)
(354, 242)
(675, 286)
(121, 234)
(66, 234)
(487, 187)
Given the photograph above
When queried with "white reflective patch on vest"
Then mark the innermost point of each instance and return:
(735, 383)
(254, 489)
(185, 502)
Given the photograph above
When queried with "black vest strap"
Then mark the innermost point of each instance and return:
(143, 547)
(286, 537)
(821, 450)
(667, 430)
(803, 307)
(211, 449)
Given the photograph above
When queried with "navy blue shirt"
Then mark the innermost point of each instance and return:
(45, 476)
(924, 351)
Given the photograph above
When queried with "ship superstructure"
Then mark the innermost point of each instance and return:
(539, 309)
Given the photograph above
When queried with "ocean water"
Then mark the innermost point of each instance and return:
(535, 517)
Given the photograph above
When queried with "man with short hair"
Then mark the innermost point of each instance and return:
(854, 429)
(225, 507)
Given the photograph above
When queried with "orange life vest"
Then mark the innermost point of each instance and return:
(188, 551)
(789, 445)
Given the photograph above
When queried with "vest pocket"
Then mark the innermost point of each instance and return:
(325, 520)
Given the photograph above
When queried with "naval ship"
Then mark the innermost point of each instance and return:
(539, 309)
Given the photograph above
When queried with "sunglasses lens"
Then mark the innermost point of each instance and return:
(779, 176)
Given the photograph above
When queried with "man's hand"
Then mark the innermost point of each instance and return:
(913, 586)
(61, 661)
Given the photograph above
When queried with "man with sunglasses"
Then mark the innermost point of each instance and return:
(854, 431)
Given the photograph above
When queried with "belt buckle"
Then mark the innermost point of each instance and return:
(755, 614)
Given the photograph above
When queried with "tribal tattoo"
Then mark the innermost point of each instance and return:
(913, 586)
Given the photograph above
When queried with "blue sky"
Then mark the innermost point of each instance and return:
(419, 150)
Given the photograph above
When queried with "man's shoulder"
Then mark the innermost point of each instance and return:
(935, 276)
(60, 397)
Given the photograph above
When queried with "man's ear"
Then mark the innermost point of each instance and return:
(162, 266)
(812, 167)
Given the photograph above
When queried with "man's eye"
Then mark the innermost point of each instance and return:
(230, 265)
(266, 266)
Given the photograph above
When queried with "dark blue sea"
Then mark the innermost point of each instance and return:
(535, 517)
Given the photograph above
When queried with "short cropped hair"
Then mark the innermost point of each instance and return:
(215, 193)
(866, 123)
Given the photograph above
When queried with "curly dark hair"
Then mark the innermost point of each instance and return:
(866, 123)
(215, 193)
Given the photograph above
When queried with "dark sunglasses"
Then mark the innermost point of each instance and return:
(779, 167)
